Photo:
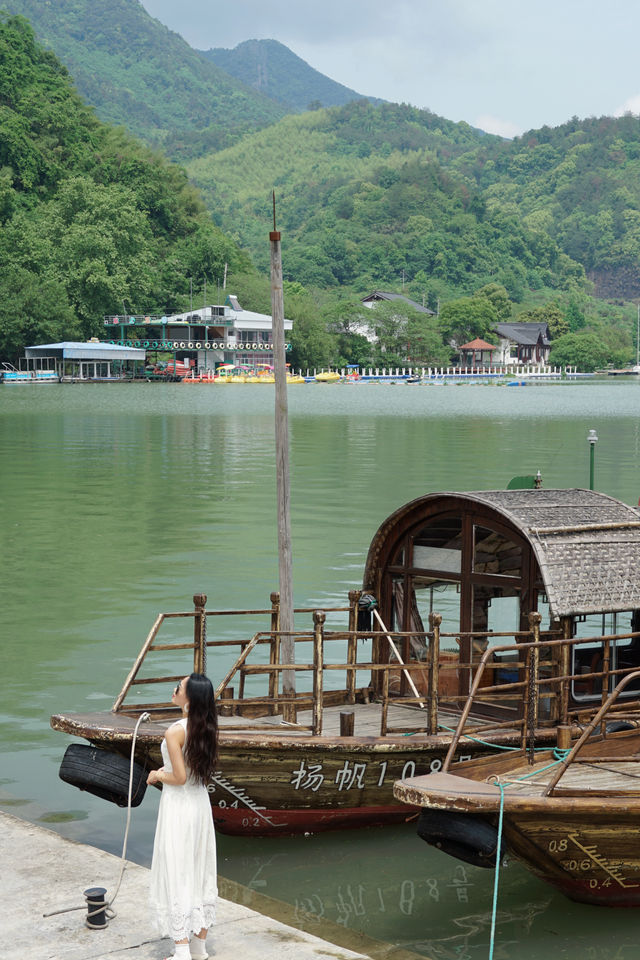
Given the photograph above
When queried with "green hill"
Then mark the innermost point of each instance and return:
(137, 73)
(276, 71)
(580, 184)
(364, 198)
(91, 219)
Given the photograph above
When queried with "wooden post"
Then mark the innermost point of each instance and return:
(565, 669)
(533, 692)
(274, 652)
(435, 619)
(287, 646)
(223, 709)
(200, 634)
(384, 709)
(318, 666)
(347, 723)
(352, 649)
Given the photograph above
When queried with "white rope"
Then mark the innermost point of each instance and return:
(106, 907)
(399, 659)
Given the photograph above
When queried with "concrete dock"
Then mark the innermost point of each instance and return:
(41, 872)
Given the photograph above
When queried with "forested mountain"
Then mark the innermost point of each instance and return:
(580, 183)
(90, 219)
(137, 73)
(364, 198)
(368, 196)
(273, 69)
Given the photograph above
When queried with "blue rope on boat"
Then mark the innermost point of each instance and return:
(560, 755)
(497, 874)
(467, 736)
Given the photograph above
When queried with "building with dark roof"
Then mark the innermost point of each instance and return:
(523, 343)
(380, 295)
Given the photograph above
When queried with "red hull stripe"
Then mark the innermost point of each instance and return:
(286, 822)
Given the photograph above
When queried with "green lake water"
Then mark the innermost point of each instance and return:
(119, 501)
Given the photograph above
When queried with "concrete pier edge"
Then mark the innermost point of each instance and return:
(41, 872)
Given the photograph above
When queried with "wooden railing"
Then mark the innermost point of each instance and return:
(546, 679)
(535, 693)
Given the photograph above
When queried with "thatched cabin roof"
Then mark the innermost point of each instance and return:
(587, 544)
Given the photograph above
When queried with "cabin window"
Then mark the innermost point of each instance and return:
(496, 554)
(588, 657)
(439, 546)
(496, 610)
(432, 595)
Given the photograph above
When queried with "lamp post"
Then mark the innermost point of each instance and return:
(592, 439)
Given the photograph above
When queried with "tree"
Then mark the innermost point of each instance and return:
(574, 316)
(425, 344)
(33, 310)
(586, 351)
(551, 314)
(497, 295)
(467, 318)
(311, 343)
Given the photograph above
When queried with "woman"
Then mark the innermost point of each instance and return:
(183, 869)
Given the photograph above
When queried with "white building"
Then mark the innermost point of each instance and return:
(204, 337)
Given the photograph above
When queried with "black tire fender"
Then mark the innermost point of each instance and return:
(461, 835)
(103, 774)
(614, 726)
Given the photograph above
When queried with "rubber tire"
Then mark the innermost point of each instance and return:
(103, 774)
(462, 836)
(615, 725)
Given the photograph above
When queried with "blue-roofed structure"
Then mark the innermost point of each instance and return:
(90, 360)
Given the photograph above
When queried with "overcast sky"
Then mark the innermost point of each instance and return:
(503, 65)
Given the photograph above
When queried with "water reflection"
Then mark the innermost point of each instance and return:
(391, 886)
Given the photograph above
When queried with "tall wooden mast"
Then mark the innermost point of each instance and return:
(287, 651)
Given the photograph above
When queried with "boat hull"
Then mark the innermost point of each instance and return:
(584, 839)
(589, 858)
(284, 785)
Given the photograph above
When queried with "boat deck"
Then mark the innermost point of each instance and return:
(581, 778)
(367, 720)
(522, 785)
(404, 723)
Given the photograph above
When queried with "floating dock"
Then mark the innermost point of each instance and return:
(43, 872)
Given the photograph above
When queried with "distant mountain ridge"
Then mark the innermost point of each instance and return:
(273, 69)
(138, 73)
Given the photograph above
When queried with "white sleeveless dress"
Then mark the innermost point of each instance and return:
(184, 886)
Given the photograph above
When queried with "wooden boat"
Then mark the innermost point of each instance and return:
(572, 816)
(378, 697)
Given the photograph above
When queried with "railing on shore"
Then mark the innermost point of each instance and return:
(476, 372)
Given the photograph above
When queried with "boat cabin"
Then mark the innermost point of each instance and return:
(486, 560)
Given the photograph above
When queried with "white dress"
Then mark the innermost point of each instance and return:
(184, 886)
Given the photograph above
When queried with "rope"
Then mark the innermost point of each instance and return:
(467, 736)
(497, 874)
(106, 907)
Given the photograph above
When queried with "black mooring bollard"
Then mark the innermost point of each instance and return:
(96, 908)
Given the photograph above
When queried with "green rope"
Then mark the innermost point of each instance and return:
(560, 755)
(497, 874)
(467, 736)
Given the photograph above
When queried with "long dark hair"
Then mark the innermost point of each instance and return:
(201, 745)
